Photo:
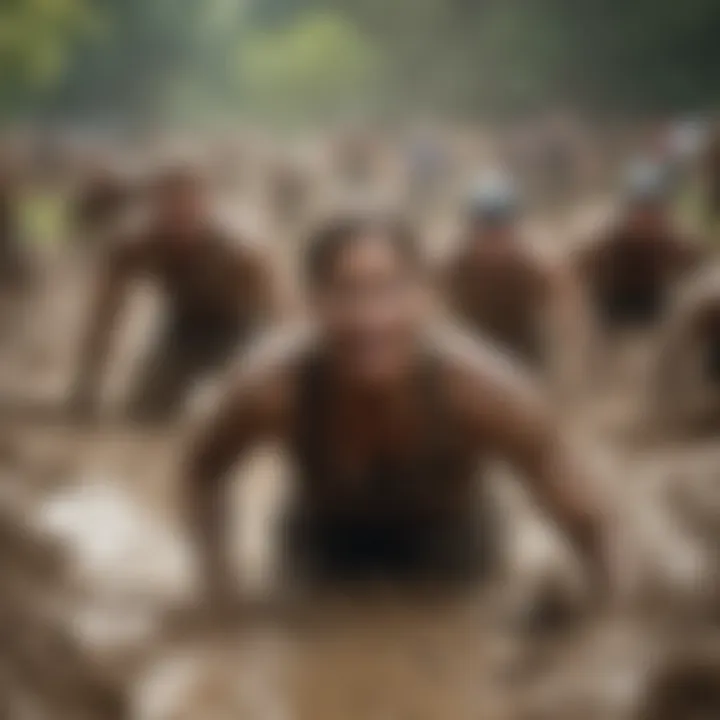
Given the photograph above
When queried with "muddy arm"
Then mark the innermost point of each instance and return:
(515, 422)
(105, 308)
(246, 416)
(271, 289)
(569, 332)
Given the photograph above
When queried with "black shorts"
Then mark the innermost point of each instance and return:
(336, 551)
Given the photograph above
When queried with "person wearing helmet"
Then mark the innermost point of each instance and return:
(216, 289)
(630, 268)
(495, 284)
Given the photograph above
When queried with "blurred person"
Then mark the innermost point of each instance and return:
(217, 291)
(15, 264)
(496, 284)
(101, 200)
(386, 419)
(631, 268)
(711, 173)
(685, 390)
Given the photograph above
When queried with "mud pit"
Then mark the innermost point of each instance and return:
(105, 501)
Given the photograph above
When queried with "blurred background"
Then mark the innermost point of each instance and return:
(580, 124)
(108, 64)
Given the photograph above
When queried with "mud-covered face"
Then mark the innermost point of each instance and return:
(181, 206)
(371, 310)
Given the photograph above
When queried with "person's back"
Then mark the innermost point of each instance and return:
(203, 280)
(501, 292)
(495, 283)
(631, 268)
(630, 275)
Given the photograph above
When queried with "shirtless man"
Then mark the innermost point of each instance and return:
(496, 285)
(216, 292)
(386, 421)
(631, 269)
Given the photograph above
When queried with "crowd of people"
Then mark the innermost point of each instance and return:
(400, 323)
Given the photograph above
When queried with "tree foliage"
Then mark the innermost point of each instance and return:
(36, 38)
(318, 65)
(148, 58)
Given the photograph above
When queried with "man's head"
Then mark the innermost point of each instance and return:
(364, 278)
(647, 198)
(179, 199)
(493, 209)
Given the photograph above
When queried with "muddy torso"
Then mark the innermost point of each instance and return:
(630, 277)
(502, 293)
(382, 489)
(204, 281)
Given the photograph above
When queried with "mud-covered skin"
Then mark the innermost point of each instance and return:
(216, 291)
(502, 292)
(629, 277)
(381, 461)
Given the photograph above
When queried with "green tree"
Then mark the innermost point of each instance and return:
(36, 41)
(319, 64)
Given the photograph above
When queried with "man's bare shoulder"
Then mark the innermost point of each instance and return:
(481, 378)
(265, 377)
(241, 244)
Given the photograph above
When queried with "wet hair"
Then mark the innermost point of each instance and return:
(328, 243)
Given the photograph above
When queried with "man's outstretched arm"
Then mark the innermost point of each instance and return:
(104, 310)
(514, 420)
(246, 416)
